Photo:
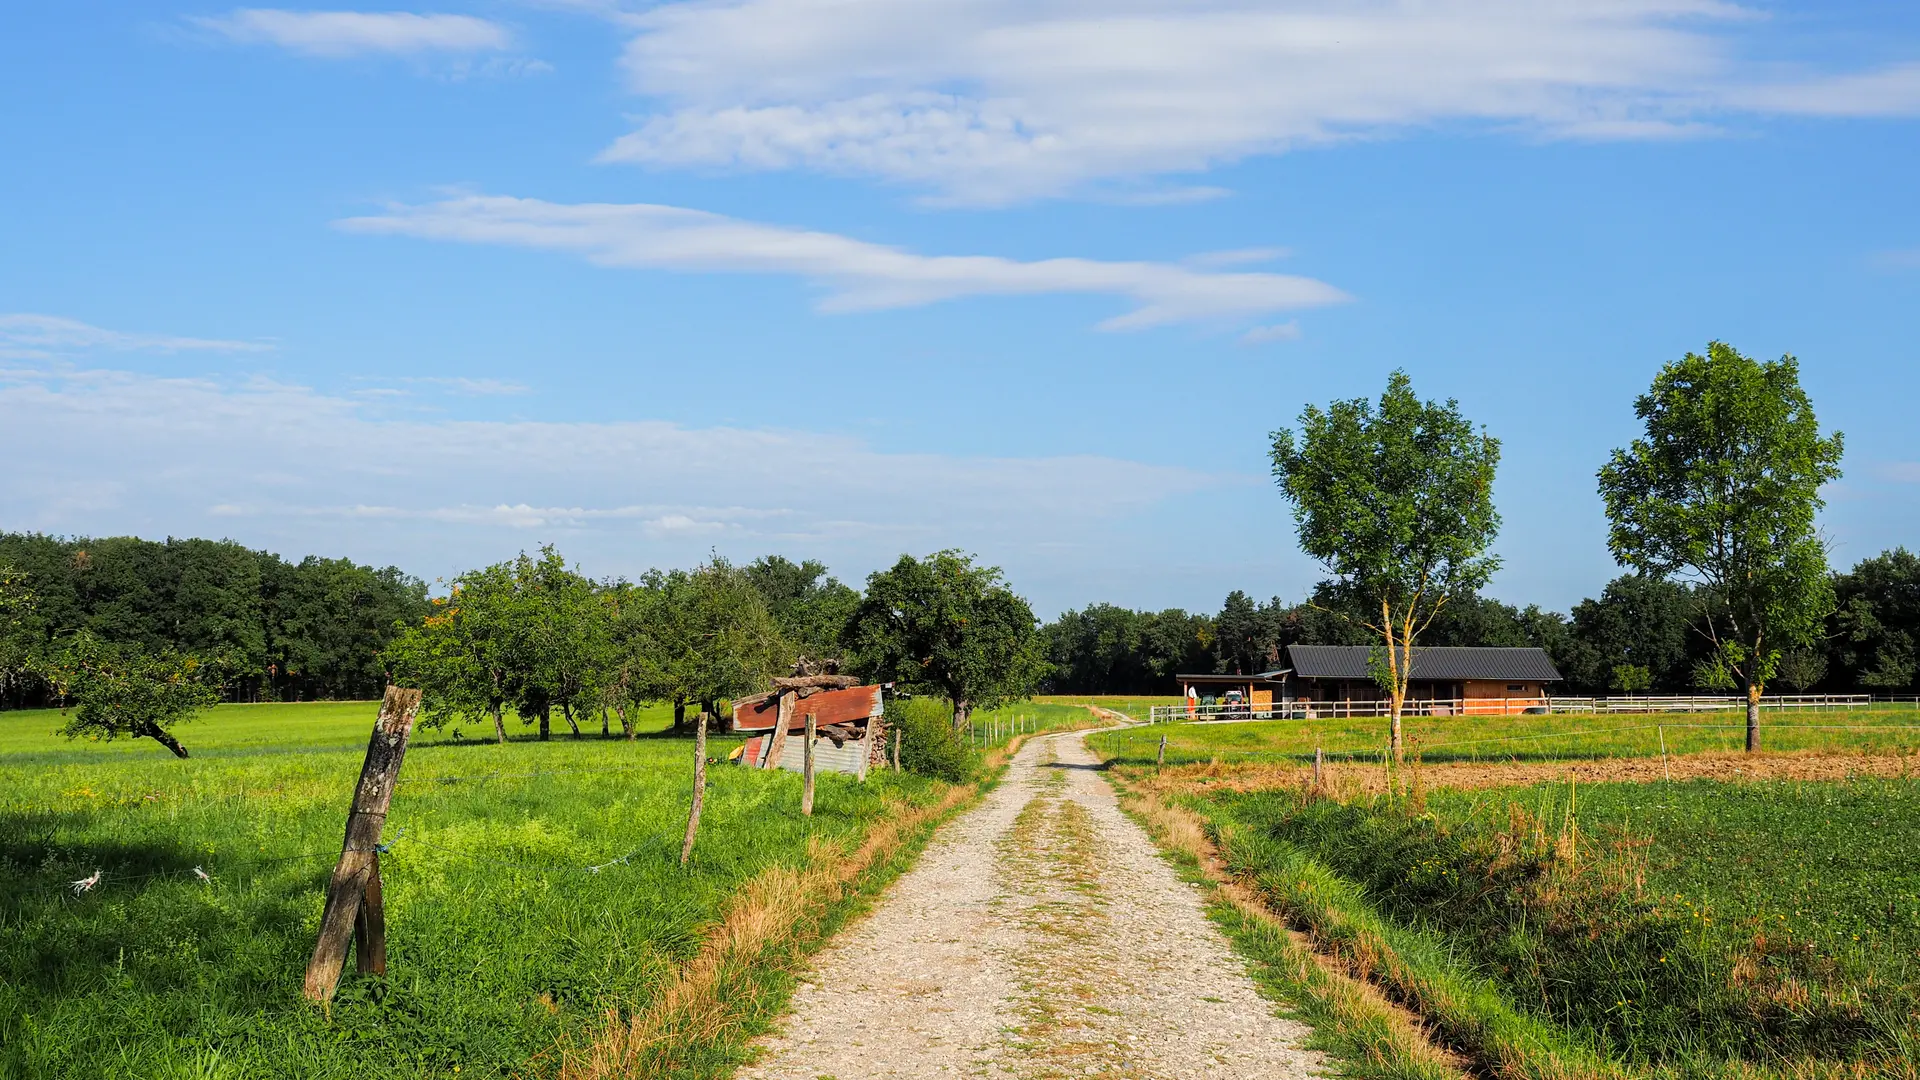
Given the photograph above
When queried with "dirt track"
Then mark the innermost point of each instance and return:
(1040, 935)
(1810, 765)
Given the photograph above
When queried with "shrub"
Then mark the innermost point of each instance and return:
(929, 745)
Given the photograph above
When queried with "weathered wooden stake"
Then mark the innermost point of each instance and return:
(806, 770)
(1318, 757)
(896, 749)
(1162, 759)
(782, 716)
(355, 883)
(1664, 763)
(699, 786)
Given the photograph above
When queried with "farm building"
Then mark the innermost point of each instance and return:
(1446, 680)
(847, 720)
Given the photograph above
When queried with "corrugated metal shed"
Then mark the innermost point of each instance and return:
(1430, 663)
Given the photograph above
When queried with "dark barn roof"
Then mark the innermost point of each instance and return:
(1436, 664)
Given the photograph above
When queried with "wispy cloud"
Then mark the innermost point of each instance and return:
(352, 33)
(28, 336)
(1260, 335)
(1898, 260)
(999, 100)
(276, 462)
(859, 275)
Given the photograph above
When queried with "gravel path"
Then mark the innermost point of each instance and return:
(1040, 935)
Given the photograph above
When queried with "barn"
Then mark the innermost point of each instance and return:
(1447, 680)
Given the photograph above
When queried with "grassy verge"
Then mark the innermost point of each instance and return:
(505, 943)
(1632, 930)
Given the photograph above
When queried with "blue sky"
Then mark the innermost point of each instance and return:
(846, 278)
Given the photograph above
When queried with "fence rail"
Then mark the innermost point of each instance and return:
(1301, 709)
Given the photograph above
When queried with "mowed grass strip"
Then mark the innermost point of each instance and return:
(504, 946)
(1888, 729)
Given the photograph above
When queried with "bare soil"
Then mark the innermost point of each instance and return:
(1732, 767)
(1040, 936)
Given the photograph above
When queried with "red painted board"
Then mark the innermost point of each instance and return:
(827, 706)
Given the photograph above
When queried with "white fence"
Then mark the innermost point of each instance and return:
(1300, 709)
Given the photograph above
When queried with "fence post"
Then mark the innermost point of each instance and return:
(806, 770)
(782, 718)
(1162, 759)
(1664, 763)
(699, 786)
(356, 877)
(1318, 756)
(896, 748)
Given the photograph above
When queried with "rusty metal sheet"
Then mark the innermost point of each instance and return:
(856, 703)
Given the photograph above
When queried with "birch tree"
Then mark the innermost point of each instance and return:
(1396, 503)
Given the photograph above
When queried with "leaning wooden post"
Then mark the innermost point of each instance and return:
(896, 733)
(782, 717)
(353, 892)
(699, 786)
(806, 770)
(1162, 759)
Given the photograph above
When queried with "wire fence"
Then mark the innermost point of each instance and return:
(1514, 705)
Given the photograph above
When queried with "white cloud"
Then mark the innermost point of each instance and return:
(859, 275)
(997, 100)
(286, 466)
(28, 336)
(1898, 260)
(351, 33)
(1260, 335)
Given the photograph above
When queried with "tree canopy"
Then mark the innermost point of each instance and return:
(947, 625)
(1722, 489)
(1396, 503)
(115, 690)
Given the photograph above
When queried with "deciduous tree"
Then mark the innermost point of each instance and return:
(1396, 503)
(118, 690)
(1722, 489)
(949, 626)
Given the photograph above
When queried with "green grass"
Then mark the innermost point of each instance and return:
(502, 943)
(1660, 929)
(1134, 706)
(1880, 728)
(995, 727)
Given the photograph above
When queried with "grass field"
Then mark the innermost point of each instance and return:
(1760, 928)
(1880, 728)
(505, 945)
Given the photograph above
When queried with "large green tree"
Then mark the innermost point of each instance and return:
(1722, 489)
(706, 635)
(947, 625)
(466, 655)
(1396, 503)
(1877, 643)
(809, 605)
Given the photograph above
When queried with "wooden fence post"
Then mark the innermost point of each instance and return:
(1162, 759)
(896, 748)
(353, 892)
(699, 786)
(782, 716)
(806, 770)
(1317, 757)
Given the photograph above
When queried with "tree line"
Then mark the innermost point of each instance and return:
(1640, 635)
(531, 639)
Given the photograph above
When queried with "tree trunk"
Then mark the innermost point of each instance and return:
(566, 713)
(605, 732)
(159, 734)
(626, 722)
(679, 715)
(1753, 717)
(499, 724)
(962, 712)
(545, 728)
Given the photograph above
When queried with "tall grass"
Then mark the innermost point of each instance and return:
(1545, 948)
(504, 943)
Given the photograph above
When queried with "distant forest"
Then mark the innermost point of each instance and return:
(296, 631)
(276, 630)
(1638, 635)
